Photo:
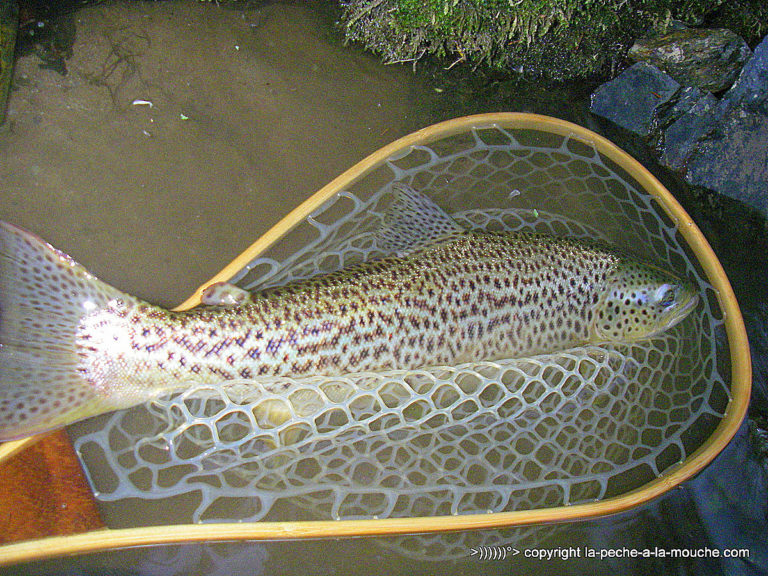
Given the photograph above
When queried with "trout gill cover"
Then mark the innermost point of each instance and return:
(72, 347)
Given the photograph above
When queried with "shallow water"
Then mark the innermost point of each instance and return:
(252, 111)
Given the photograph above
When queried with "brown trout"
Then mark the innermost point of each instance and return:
(72, 347)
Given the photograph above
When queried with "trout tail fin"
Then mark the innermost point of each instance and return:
(44, 295)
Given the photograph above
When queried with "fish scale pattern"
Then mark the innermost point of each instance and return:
(514, 434)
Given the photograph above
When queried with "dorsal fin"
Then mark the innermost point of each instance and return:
(413, 221)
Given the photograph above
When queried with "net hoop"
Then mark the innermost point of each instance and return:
(740, 378)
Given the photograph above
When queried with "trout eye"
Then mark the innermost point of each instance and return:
(666, 296)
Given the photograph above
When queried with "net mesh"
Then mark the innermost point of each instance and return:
(515, 434)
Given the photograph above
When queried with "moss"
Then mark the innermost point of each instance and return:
(554, 38)
(748, 18)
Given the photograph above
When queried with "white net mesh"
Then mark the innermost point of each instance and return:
(518, 434)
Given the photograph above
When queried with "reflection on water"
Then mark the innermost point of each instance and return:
(252, 111)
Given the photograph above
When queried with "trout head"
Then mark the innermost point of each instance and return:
(639, 301)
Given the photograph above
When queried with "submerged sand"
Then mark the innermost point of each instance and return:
(184, 130)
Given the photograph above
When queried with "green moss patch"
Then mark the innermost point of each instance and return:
(558, 39)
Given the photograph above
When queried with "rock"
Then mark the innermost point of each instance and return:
(632, 99)
(751, 89)
(709, 59)
(721, 145)
(731, 497)
(756, 321)
(685, 100)
(690, 126)
(758, 438)
(732, 159)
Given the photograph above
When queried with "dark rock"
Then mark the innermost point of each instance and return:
(682, 137)
(719, 145)
(731, 497)
(756, 321)
(758, 438)
(751, 89)
(707, 58)
(686, 99)
(632, 98)
(733, 158)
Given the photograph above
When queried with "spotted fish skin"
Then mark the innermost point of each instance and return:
(475, 296)
(72, 347)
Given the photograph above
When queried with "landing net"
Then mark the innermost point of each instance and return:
(547, 431)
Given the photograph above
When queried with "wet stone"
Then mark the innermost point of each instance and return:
(682, 137)
(733, 158)
(750, 91)
(756, 320)
(632, 99)
(709, 59)
(731, 497)
(683, 103)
